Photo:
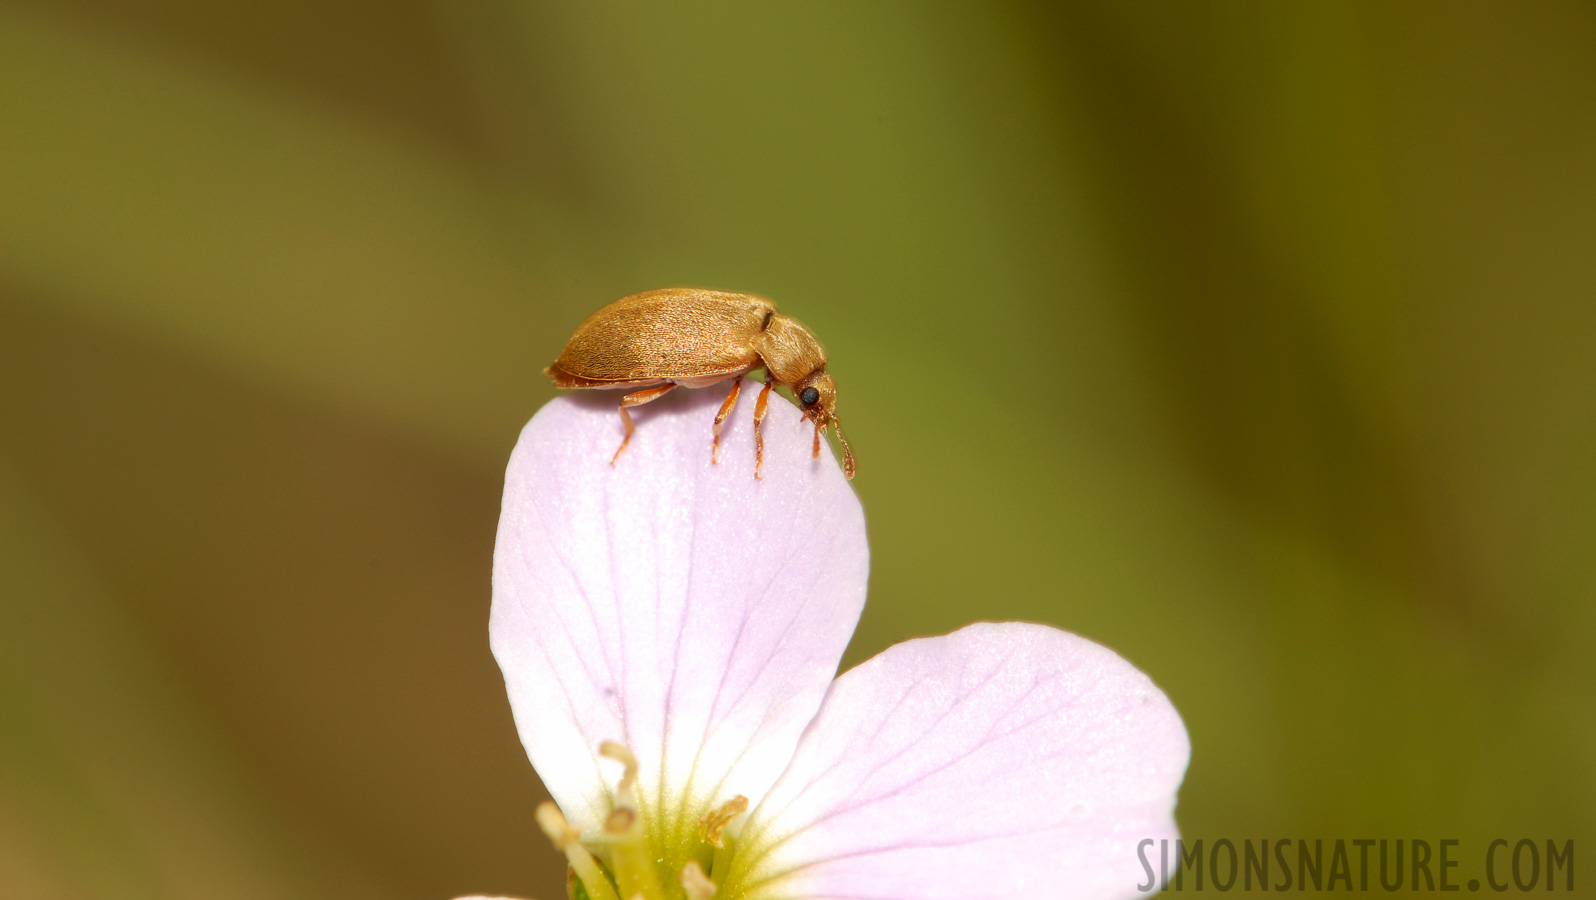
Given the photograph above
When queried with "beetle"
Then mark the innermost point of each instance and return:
(650, 343)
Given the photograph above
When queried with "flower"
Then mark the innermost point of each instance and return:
(670, 629)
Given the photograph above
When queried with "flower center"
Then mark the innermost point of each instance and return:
(639, 859)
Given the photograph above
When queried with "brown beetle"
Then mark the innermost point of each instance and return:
(657, 340)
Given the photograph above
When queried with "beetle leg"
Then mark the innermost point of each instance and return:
(818, 426)
(725, 410)
(638, 398)
(759, 430)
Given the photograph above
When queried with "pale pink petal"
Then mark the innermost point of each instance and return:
(1008, 760)
(684, 609)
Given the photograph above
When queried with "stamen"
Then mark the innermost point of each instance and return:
(630, 859)
(695, 882)
(714, 827)
(626, 791)
(568, 841)
(714, 823)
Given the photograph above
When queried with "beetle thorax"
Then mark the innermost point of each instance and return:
(790, 351)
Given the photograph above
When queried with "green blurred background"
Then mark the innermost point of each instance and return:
(1253, 340)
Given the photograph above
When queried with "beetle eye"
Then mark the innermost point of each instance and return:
(809, 397)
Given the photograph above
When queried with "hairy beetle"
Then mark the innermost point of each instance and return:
(650, 343)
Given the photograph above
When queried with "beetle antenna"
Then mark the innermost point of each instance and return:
(847, 451)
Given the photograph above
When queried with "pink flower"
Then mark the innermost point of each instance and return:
(689, 620)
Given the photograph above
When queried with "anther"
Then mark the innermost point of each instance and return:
(714, 822)
(620, 821)
(695, 882)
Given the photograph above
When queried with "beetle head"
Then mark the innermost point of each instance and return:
(817, 396)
